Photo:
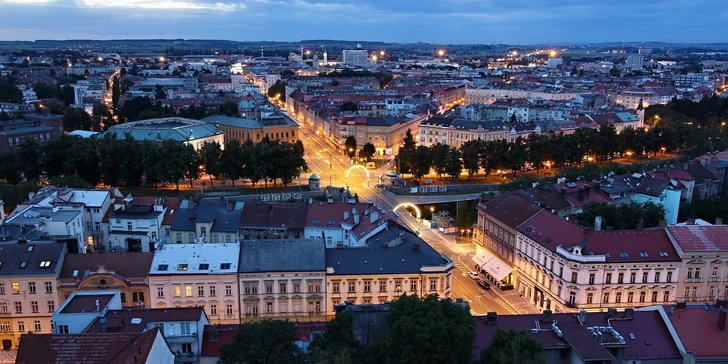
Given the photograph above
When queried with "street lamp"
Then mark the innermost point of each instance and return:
(432, 209)
(663, 150)
(441, 53)
(629, 154)
(721, 126)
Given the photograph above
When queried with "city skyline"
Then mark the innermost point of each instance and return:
(455, 21)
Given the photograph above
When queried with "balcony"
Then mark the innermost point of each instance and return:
(715, 279)
(182, 339)
(185, 358)
(693, 280)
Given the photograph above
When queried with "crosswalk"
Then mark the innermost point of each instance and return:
(505, 305)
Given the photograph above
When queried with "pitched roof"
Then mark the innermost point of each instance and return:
(274, 215)
(85, 348)
(697, 327)
(30, 259)
(376, 258)
(700, 238)
(196, 259)
(510, 209)
(123, 264)
(223, 217)
(121, 320)
(290, 255)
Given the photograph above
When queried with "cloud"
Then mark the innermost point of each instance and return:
(166, 4)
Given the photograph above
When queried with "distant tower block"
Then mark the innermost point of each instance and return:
(326, 58)
(314, 182)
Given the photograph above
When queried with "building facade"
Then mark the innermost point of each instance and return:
(704, 268)
(456, 132)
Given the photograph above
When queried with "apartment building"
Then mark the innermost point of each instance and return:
(206, 221)
(139, 224)
(563, 267)
(49, 222)
(28, 289)
(342, 224)
(488, 95)
(704, 268)
(386, 133)
(282, 279)
(202, 275)
(39, 127)
(394, 262)
(456, 132)
(125, 272)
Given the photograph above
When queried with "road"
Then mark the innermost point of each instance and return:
(332, 167)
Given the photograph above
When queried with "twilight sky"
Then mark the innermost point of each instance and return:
(432, 21)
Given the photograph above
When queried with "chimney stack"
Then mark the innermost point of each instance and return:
(718, 221)
(663, 224)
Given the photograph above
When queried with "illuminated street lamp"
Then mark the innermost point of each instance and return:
(441, 53)
(374, 58)
(721, 127)
(514, 53)
(382, 53)
(552, 53)
(629, 154)
(590, 159)
(663, 150)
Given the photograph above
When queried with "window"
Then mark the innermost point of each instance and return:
(37, 325)
(21, 326)
(204, 266)
(200, 291)
(352, 287)
(177, 291)
(62, 329)
(654, 296)
(128, 226)
(620, 278)
(715, 272)
(162, 267)
(606, 297)
(398, 286)
(2, 288)
(203, 230)
(229, 290)
(123, 297)
(185, 328)
(51, 306)
(137, 296)
(251, 288)
(618, 297)
(433, 285)
(572, 298)
(367, 286)
(213, 309)
(697, 273)
(644, 277)
(182, 267)
(695, 292)
(186, 348)
(382, 286)
(296, 287)
(34, 306)
(608, 278)
(630, 297)
(591, 278)
(657, 277)
(16, 287)
(268, 287)
(269, 307)
(632, 277)
(229, 309)
(160, 292)
(573, 277)
(335, 286)
(687, 292)
(188, 291)
(413, 285)
(669, 277)
(213, 291)
(3, 307)
(166, 232)
(642, 296)
(283, 285)
(690, 273)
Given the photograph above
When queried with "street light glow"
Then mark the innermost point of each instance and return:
(441, 53)
(552, 53)
(374, 57)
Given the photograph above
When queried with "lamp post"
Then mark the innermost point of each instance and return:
(721, 127)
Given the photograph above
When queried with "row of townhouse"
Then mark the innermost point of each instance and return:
(560, 266)
(298, 279)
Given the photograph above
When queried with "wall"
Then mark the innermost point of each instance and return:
(167, 283)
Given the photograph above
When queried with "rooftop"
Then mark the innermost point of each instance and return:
(510, 209)
(224, 335)
(224, 215)
(196, 259)
(84, 303)
(395, 250)
(125, 265)
(85, 348)
(30, 259)
(697, 327)
(290, 255)
(700, 238)
(274, 215)
(174, 128)
(136, 320)
(33, 215)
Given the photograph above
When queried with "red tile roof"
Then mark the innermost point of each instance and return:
(120, 320)
(87, 303)
(85, 348)
(700, 238)
(510, 209)
(697, 327)
(334, 212)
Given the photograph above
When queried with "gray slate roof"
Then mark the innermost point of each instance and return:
(375, 259)
(289, 255)
(231, 121)
(12, 256)
(207, 211)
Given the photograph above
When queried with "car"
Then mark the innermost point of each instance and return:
(473, 275)
(484, 284)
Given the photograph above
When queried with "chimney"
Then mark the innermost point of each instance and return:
(598, 223)
(547, 316)
(681, 305)
(641, 224)
(663, 224)
(103, 324)
(191, 205)
(346, 214)
(373, 217)
(691, 221)
(356, 219)
(722, 314)
(416, 246)
(212, 333)
(718, 221)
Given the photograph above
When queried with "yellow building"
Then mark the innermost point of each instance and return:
(274, 127)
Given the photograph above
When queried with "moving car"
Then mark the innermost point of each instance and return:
(473, 275)
(484, 284)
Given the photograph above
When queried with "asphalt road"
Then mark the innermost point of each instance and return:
(332, 167)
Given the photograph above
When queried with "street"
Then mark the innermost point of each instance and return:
(332, 168)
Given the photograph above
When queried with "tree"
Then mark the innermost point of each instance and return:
(614, 72)
(10, 93)
(72, 181)
(287, 73)
(368, 151)
(101, 118)
(453, 163)
(438, 154)
(462, 218)
(278, 91)
(159, 92)
(513, 347)
(76, 119)
(428, 330)
(134, 107)
(405, 153)
(471, 152)
(191, 161)
(171, 161)
(232, 160)
(349, 106)
(350, 145)
(264, 342)
(29, 155)
(514, 118)
(229, 108)
(338, 343)
(211, 158)
(67, 94)
(4, 116)
(44, 90)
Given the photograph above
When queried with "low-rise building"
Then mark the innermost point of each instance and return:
(206, 221)
(394, 262)
(704, 269)
(342, 224)
(456, 132)
(28, 289)
(188, 131)
(273, 127)
(699, 331)
(125, 272)
(282, 279)
(562, 267)
(261, 220)
(202, 275)
(39, 127)
(49, 222)
(136, 225)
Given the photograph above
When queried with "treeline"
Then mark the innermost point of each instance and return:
(414, 330)
(537, 151)
(127, 162)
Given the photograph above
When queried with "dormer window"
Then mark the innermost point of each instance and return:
(45, 264)
(162, 267)
(182, 267)
(225, 266)
(23, 264)
(30, 248)
(204, 266)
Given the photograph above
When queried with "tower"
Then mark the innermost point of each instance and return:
(326, 58)
(641, 114)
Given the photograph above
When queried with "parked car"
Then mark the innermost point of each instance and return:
(473, 275)
(484, 284)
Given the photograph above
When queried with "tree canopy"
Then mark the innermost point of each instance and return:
(513, 347)
(264, 342)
